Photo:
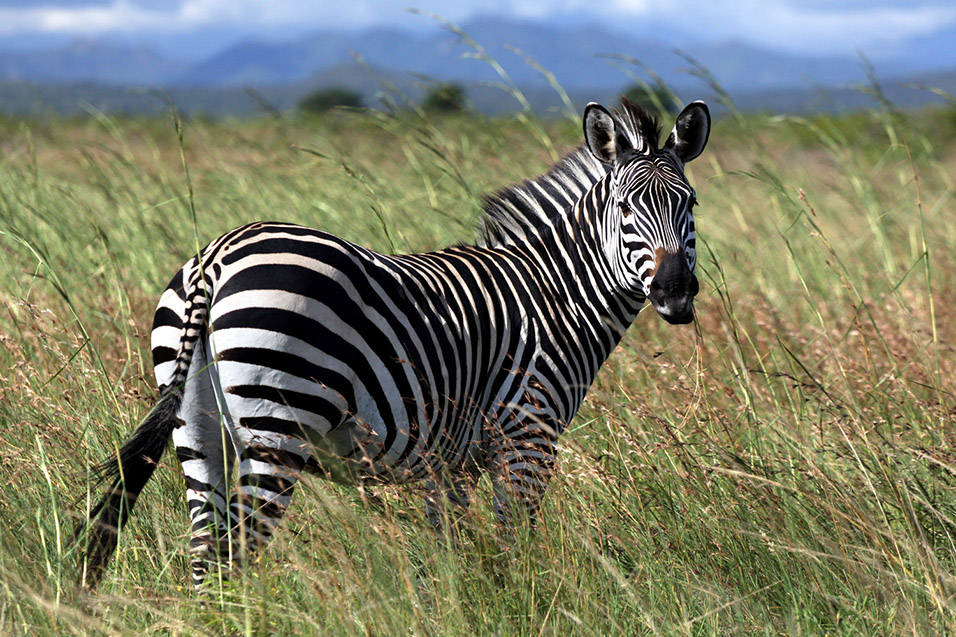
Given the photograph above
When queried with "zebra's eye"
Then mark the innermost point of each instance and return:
(625, 207)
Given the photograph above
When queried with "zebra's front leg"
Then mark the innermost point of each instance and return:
(522, 461)
(447, 499)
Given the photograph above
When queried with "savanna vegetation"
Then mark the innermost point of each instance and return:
(785, 465)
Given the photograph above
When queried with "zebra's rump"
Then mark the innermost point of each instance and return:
(329, 346)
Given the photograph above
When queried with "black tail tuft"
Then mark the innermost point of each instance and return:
(126, 475)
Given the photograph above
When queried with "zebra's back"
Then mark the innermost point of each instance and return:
(373, 358)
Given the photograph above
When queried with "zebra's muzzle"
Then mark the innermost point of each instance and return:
(673, 289)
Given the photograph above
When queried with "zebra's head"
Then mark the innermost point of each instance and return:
(650, 204)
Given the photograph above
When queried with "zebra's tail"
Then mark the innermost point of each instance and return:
(126, 474)
(128, 471)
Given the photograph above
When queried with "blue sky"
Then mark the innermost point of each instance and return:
(817, 26)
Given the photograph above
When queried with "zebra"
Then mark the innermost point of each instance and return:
(280, 349)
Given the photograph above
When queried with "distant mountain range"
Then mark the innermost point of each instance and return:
(576, 55)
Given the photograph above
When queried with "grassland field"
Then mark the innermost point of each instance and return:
(785, 465)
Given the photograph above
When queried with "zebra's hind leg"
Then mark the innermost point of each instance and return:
(273, 453)
(207, 458)
(447, 499)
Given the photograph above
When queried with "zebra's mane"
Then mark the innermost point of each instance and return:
(513, 214)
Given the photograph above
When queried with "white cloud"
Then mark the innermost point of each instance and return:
(123, 16)
(795, 25)
(792, 26)
(90, 19)
(119, 16)
(547, 8)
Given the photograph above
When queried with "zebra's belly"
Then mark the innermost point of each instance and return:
(366, 413)
(356, 452)
(346, 436)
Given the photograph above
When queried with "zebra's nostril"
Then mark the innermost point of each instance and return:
(656, 285)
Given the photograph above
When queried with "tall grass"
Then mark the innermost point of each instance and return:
(786, 465)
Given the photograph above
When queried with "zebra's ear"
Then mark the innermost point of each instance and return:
(690, 133)
(601, 134)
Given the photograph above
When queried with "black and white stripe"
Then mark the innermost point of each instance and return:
(281, 348)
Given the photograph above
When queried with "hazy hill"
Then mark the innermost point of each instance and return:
(65, 78)
(87, 61)
(569, 51)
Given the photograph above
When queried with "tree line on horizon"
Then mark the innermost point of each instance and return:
(451, 97)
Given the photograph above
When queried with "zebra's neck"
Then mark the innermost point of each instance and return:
(582, 285)
(563, 211)
(514, 215)
(591, 235)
